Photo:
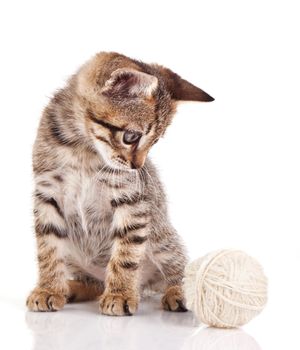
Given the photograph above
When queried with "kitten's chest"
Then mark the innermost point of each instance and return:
(86, 203)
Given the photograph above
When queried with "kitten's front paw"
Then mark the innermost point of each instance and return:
(173, 299)
(118, 304)
(44, 300)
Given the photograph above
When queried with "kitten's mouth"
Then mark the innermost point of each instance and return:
(117, 164)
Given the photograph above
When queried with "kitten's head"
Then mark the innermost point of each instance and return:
(128, 105)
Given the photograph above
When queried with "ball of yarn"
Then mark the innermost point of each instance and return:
(225, 288)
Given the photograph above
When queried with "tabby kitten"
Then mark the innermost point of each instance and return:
(101, 221)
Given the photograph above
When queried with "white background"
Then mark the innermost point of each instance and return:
(230, 168)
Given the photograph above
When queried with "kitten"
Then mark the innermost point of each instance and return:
(101, 220)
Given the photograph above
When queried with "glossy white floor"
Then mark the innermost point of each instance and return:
(80, 326)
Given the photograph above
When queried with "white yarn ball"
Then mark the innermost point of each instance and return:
(225, 288)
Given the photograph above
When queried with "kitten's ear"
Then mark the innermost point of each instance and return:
(129, 83)
(182, 90)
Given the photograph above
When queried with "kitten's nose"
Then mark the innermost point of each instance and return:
(135, 165)
(138, 160)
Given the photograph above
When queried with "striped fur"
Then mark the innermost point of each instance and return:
(97, 220)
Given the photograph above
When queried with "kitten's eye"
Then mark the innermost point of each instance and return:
(131, 137)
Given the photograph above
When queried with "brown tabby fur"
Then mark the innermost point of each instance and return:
(101, 220)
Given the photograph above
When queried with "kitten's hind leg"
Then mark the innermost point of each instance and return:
(173, 300)
(84, 290)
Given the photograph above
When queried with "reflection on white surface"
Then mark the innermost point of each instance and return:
(220, 339)
(80, 326)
